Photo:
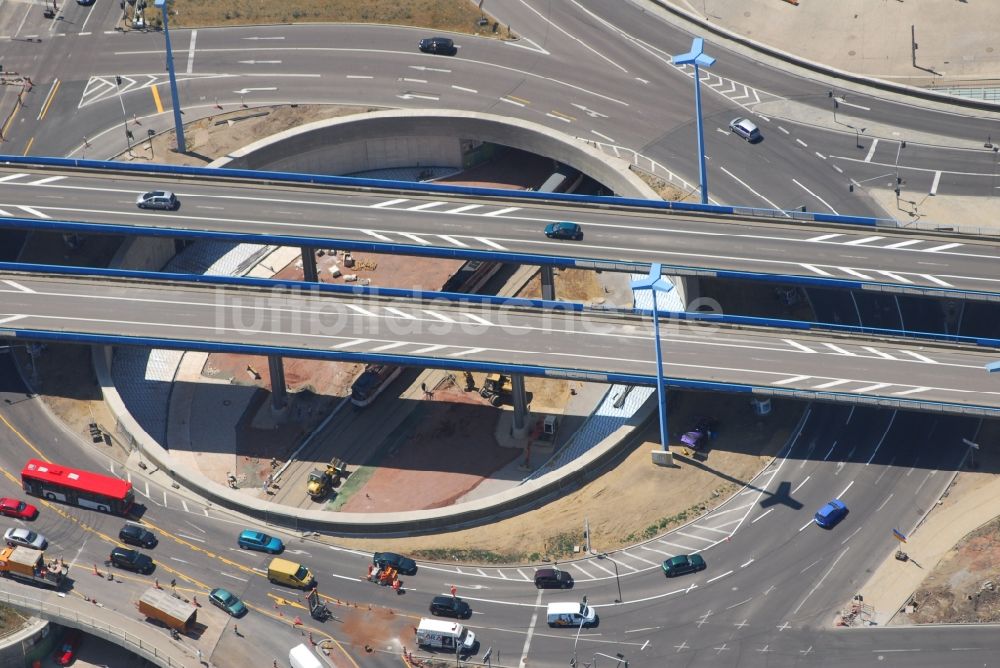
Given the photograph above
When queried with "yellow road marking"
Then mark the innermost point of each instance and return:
(156, 99)
(562, 115)
(28, 147)
(518, 99)
(48, 102)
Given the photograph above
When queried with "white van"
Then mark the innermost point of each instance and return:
(571, 614)
(301, 656)
(439, 634)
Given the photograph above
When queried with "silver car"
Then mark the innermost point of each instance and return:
(157, 199)
(25, 538)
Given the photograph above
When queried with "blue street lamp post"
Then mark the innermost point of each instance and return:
(697, 58)
(655, 284)
(178, 123)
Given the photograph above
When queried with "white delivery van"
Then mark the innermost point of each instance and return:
(571, 614)
(447, 636)
(301, 656)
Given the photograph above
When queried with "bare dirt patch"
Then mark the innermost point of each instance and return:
(633, 501)
(572, 285)
(452, 15)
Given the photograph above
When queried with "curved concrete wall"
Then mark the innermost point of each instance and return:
(424, 137)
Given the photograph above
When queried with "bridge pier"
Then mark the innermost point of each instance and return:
(279, 394)
(548, 283)
(309, 265)
(519, 397)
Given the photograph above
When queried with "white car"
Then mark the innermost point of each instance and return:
(25, 538)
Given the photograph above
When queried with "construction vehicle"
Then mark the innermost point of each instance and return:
(497, 388)
(28, 565)
(321, 483)
(167, 609)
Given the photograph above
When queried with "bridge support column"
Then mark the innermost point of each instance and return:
(520, 400)
(279, 395)
(548, 283)
(309, 265)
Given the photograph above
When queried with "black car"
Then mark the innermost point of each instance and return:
(553, 578)
(404, 565)
(442, 46)
(450, 606)
(132, 560)
(133, 534)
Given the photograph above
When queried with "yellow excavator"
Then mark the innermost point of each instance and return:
(321, 482)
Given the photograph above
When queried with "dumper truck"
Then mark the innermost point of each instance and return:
(23, 563)
(172, 612)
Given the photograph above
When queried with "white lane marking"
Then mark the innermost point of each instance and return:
(935, 182)
(390, 202)
(882, 505)
(18, 286)
(429, 349)
(653, 549)
(408, 80)
(895, 277)
(235, 577)
(33, 212)
(685, 549)
(745, 185)
(885, 356)
(603, 136)
(521, 573)
(839, 350)
(704, 527)
(805, 526)
(361, 310)
(500, 212)
(872, 388)
(799, 486)
(380, 237)
(796, 344)
(476, 318)
(942, 247)
(882, 440)
(196, 527)
(762, 516)
(11, 177)
(852, 272)
(801, 143)
(793, 379)
(468, 351)
(638, 558)
(902, 244)
(348, 344)
(183, 561)
(858, 242)
(841, 495)
(598, 566)
(190, 64)
(425, 205)
(816, 270)
(830, 451)
(820, 155)
(435, 314)
(49, 179)
(784, 130)
(559, 117)
(463, 209)
(389, 346)
(531, 628)
(489, 243)
(832, 383)
(935, 279)
(922, 358)
(580, 568)
(416, 238)
(514, 102)
(822, 201)
(718, 577)
(501, 574)
(464, 89)
(197, 540)
(184, 505)
(853, 534)
(401, 314)
(453, 241)
(825, 237)
(359, 76)
(736, 605)
(913, 391)
(694, 536)
(871, 151)
(746, 563)
(12, 319)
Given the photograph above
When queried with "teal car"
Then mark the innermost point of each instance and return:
(228, 601)
(255, 540)
(683, 563)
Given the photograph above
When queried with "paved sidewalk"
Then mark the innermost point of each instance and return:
(956, 38)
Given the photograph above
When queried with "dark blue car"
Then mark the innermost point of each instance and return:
(828, 516)
(564, 230)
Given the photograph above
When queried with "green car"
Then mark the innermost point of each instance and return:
(683, 563)
(228, 601)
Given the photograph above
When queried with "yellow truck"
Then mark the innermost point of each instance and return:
(27, 565)
(172, 612)
(289, 573)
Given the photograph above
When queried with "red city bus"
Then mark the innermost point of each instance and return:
(81, 488)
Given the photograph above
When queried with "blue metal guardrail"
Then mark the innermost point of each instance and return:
(293, 177)
(487, 367)
(491, 300)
